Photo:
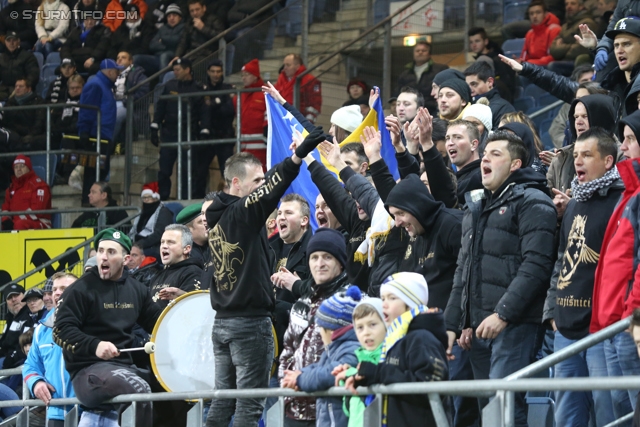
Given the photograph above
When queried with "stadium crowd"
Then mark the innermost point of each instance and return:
(493, 249)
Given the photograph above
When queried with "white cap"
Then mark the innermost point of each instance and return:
(348, 118)
(480, 112)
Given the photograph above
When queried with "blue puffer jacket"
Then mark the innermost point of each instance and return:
(98, 91)
(45, 363)
(317, 376)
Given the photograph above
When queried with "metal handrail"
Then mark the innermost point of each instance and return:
(571, 350)
(387, 20)
(546, 108)
(208, 43)
(65, 253)
(48, 150)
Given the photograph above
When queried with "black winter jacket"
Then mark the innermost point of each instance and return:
(296, 261)
(241, 285)
(408, 78)
(560, 86)
(221, 110)
(185, 275)
(145, 272)
(507, 254)
(10, 342)
(166, 113)
(469, 179)
(25, 28)
(16, 64)
(433, 253)
(95, 46)
(616, 83)
(29, 122)
(193, 38)
(94, 310)
(135, 42)
(90, 219)
(344, 208)
(498, 105)
(418, 357)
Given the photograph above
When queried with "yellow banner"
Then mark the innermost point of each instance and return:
(22, 251)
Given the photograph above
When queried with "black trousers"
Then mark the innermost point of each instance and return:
(105, 380)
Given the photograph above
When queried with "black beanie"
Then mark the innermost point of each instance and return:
(331, 241)
(633, 121)
(460, 86)
(449, 73)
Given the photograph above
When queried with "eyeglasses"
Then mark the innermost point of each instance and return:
(146, 198)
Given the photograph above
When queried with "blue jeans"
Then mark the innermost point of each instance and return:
(572, 407)
(466, 408)
(47, 48)
(622, 359)
(513, 349)
(243, 349)
(121, 116)
(7, 394)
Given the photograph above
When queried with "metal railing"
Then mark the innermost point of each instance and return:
(48, 150)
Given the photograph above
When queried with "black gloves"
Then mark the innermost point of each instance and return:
(155, 140)
(310, 142)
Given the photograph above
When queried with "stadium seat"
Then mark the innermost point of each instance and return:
(519, 93)
(546, 99)
(513, 47)
(547, 141)
(541, 405)
(514, 12)
(534, 91)
(39, 58)
(48, 70)
(53, 58)
(40, 161)
(174, 207)
(526, 104)
(46, 82)
(56, 220)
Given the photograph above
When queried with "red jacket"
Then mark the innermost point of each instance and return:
(614, 292)
(310, 93)
(28, 192)
(538, 40)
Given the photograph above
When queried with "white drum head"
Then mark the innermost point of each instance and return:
(183, 360)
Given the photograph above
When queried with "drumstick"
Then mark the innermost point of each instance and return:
(102, 141)
(148, 348)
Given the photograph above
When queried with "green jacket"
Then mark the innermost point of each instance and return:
(356, 405)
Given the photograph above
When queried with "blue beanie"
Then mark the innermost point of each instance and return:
(336, 311)
(331, 241)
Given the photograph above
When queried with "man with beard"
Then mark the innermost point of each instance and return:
(95, 319)
(453, 97)
(181, 274)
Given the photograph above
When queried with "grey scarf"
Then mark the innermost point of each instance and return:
(583, 192)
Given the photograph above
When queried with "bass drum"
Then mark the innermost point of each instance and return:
(183, 360)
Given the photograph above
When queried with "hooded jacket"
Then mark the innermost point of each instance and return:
(28, 192)
(45, 363)
(571, 49)
(507, 253)
(185, 275)
(623, 9)
(538, 41)
(618, 86)
(147, 270)
(469, 178)
(303, 345)
(601, 113)
(241, 285)
(310, 92)
(317, 376)
(94, 310)
(433, 253)
(345, 210)
(569, 298)
(419, 356)
(98, 92)
(90, 219)
(615, 292)
(631, 100)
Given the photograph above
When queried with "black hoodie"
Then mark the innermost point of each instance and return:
(507, 253)
(185, 275)
(435, 252)
(525, 133)
(94, 310)
(419, 356)
(469, 179)
(241, 285)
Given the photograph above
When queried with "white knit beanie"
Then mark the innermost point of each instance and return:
(409, 287)
(480, 112)
(376, 303)
(348, 118)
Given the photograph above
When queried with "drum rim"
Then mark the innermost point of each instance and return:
(157, 325)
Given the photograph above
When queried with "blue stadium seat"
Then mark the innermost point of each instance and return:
(53, 58)
(515, 12)
(39, 58)
(46, 82)
(40, 161)
(541, 405)
(534, 91)
(174, 207)
(513, 47)
(547, 141)
(519, 92)
(546, 99)
(56, 220)
(526, 104)
(48, 70)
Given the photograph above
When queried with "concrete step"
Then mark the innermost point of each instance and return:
(324, 27)
(356, 14)
(355, 4)
(329, 38)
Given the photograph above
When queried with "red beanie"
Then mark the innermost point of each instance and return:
(358, 82)
(151, 189)
(252, 67)
(24, 160)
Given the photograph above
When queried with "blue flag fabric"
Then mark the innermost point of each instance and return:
(387, 151)
(281, 129)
